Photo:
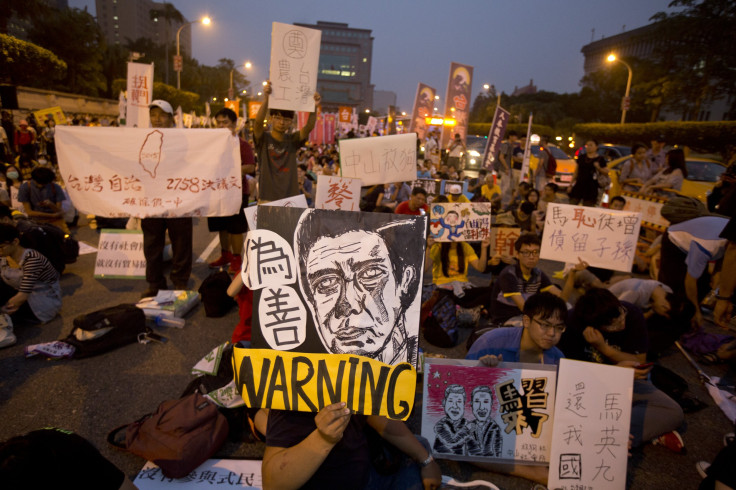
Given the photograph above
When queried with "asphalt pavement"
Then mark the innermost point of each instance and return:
(92, 396)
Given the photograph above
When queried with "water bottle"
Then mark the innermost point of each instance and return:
(169, 321)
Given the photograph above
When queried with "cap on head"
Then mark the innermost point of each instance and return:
(163, 105)
(455, 189)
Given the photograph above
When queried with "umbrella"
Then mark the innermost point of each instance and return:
(726, 401)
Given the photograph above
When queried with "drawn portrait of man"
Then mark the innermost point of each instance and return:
(484, 433)
(360, 276)
(451, 431)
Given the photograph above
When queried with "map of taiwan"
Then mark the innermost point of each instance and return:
(150, 154)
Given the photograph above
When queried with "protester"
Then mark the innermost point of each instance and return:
(42, 197)
(637, 169)
(670, 177)
(504, 165)
(415, 205)
(584, 186)
(450, 262)
(656, 154)
(618, 203)
(455, 150)
(25, 140)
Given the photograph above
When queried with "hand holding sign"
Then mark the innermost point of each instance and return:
(332, 421)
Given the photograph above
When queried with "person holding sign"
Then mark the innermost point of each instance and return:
(277, 150)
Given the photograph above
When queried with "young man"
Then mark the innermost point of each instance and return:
(231, 228)
(277, 150)
(618, 203)
(416, 204)
(42, 197)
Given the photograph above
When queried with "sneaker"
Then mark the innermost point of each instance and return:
(235, 264)
(672, 441)
(7, 337)
(702, 467)
(225, 258)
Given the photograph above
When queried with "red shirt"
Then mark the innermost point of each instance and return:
(403, 208)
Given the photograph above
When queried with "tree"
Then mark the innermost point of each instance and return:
(24, 63)
(25, 9)
(168, 13)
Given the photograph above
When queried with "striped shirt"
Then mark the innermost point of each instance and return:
(36, 268)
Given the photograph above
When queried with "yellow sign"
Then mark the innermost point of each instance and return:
(55, 112)
(308, 382)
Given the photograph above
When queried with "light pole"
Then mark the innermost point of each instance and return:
(231, 91)
(206, 21)
(625, 104)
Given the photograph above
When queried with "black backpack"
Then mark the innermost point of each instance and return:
(213, 292)
(106, 329)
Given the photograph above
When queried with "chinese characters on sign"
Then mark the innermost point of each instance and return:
(503, 240)
(650, 209)
(602, 238)
(431, 186)
(232, 473)
(120, 255)
(460, 222)
(294, 60)
(337, 193)
(495, 135)
(591, 430)
(140, 94)
(379, 160)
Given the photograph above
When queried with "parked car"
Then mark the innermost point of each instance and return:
(476, 145)
(702, 175)
(566, 165)
(608, 151)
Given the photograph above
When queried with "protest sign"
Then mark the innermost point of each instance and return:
(423, 107)
(243, 474)
(251, 212)
(591, 430)
(449, 185)
(293, 69)
(460, 222)
(54, 113)
(303, 382)
(120, 255)
(503, 240)
(650, 208)
(379, 160)
(336, 282)
(117, 172)
(495, 136)
(601, 237)
(457, 101)
(253, 108)
(477, 413)
(432, 186)
(337, 193)
(139, 95)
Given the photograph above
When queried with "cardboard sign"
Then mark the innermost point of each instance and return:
(139, 95)
(601, 237)
(460, 222)
(294, 61)
(55, 113)
(120, 172)
(650, 208)
(120, 255)
(251, 212)
(591, 431)
(477, 413)
(337, 193)
(336, 282)
(503, 240)
(380, 160)
(243, 474)
(309, 382)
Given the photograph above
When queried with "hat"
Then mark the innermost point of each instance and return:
(163, 105)
(23, 122)
(454, 189)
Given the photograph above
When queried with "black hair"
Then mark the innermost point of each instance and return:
(593, 140)
(481, 389)
(527, 239)
(43, 175)
(512, 133)
(441, 198)
(553, 186)
(302, 166)
(482, 171)
(676, 159)
(597, 308)
(228, 113)
(635, 147)
(545, 305)
(8, 233)
(527, 208)
(619, 198)
(458, 389)
(282, 112)
(419, 190)
(5, 212)
(445, 257)
(8, 182)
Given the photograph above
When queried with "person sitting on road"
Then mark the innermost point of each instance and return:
(415, 205)
(42, 197)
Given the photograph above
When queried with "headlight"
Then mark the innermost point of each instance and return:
(473, 153)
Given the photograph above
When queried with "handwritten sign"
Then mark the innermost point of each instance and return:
(251, 212)
(309, 382)
(379, 160)
(120, 255)
(601, 237)
(432, 186)
(503, 240)
(120, 172)
(337, 193)
(139, 95)
(591, 431)
(650, 208)
(294, 62)
(243, 474)
(55, 113)
(476, 413)
(460, 222)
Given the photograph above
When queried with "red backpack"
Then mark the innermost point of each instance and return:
(551, 169)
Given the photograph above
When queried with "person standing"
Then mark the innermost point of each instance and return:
(504, 166)
(277, 150)
(154, 229)
(584, 186)
(25, 139)
(656, 154)
(455, 150)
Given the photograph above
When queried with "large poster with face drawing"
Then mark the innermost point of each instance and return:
(336, 282)
(477, 413)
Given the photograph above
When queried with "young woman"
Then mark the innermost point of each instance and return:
(636, 170)
(584, 186)
(670, 177)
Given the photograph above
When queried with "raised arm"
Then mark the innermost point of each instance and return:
(304, 132)
(262, 111)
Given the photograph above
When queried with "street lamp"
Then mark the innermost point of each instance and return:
(206, 21)
(625, 105)
(231, 92)
(486, 86)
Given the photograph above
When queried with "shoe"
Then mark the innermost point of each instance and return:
(672, 441)
(225, 258)
(235, 264)
(152, 290)
(702, 467)
(7, 337)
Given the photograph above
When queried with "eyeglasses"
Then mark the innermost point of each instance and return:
(529, 253)
(559, 328)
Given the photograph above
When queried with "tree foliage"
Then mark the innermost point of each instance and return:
(25, 63)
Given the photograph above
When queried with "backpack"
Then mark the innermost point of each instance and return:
(49, 241)
(682, 208)
(551, 169)
(106, 329)
(214, 294)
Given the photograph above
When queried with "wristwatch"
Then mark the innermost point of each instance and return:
(426, 462)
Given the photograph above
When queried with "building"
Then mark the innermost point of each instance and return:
(530, 89)
(382, 99)
(345, 59)
(121, 20)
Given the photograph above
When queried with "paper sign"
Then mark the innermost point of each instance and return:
(380, 160)
(337, 193)
(251, 212)
(460, 222)
(650, 208)
(55, 113)
(503, 240)
(591, 431)
(243, 474)
(253, 108)
(477, 413)
(309, 382)
(601, 237)
(294, 61)
(120, 255)
(139, 95)
(120, 172)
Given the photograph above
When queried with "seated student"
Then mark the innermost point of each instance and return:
(330, 450)
(450, 262)
(519, 195)
(42, 197)
(523, 215)
(618, 203)
(549, 195)
(602, 329)
(396, 193)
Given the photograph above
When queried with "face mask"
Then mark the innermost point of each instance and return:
(12, 175)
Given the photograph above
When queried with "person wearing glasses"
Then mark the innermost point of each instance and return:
(277, 149)
(519, 281)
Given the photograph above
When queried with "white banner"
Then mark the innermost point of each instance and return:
(116, 172)
(294, 62)
(251, 214)
(380, 160)
(337, 193)
(120, 255)
(601, 237)
(591, 430)
(139, 95)
(242, 474)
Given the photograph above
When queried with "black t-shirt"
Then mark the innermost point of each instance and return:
(347, 465)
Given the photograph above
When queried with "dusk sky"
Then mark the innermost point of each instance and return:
(507, 42)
